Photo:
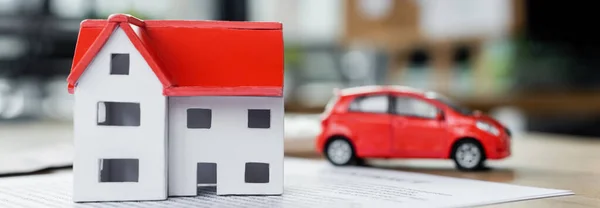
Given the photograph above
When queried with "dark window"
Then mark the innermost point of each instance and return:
(415, 107)
(119, 63)
(259, 118)
(119, 170)
(371, 104)
(257, 172)
(418, 58)
(118, 114)
(206, 173)
(199, 118)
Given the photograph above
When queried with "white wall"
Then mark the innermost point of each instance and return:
(229, 143)
(465, 18)
(146, 142)
(307, 21)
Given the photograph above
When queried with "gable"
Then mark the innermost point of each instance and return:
(119, 68)
(86, 50)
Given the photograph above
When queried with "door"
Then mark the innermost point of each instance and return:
(206, 174)
(369, 120)
(417, 130)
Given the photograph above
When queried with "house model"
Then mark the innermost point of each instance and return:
(165, 106)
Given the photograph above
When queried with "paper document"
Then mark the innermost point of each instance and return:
(36, 159)
(308, 183)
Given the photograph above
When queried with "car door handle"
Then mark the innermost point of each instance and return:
(397, 123)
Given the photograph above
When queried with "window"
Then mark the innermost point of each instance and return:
(259, 118)
(256, 172)
(206, 173)
(119, 170)
(118, 114)
(415, 107)
(371, 104)
(119, 64)
(199, 118)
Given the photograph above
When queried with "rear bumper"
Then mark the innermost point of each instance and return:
(319, 144)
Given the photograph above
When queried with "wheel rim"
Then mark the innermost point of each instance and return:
(339, 152)
(468, 155)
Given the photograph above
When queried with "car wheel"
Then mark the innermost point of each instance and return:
(469, 155)
(340, 152)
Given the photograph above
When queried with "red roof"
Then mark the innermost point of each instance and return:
(193, 58)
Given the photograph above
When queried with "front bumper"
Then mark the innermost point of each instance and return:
(501, 151)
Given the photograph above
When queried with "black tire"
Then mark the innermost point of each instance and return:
(352, 159)
(361, 162)
(473, 162)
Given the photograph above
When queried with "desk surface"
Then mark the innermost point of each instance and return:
(540, 160)
(546, 161)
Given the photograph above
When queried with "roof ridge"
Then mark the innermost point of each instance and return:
(246, 25)
(126, 18)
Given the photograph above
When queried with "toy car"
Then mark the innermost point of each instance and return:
(403, 122)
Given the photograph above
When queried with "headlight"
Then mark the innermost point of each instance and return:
(488, 128)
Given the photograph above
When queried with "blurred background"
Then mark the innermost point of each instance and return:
(532, 65)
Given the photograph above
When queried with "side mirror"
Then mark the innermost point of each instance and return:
(440, 116)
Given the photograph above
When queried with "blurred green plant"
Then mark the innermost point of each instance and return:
(293, 56)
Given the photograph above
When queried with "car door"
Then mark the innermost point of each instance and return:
(417, 130)
(368, 117)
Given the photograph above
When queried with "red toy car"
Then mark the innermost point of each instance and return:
(402, 122)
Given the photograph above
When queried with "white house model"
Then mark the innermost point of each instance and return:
(165, 106)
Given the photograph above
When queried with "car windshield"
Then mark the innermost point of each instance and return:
(450, 103)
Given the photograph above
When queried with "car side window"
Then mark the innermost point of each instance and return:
(408, 106)
(370, 104)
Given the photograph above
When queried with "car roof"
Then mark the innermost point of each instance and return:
(361, 90)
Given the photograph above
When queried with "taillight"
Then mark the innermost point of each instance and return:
(323, 124)
(325, 121)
